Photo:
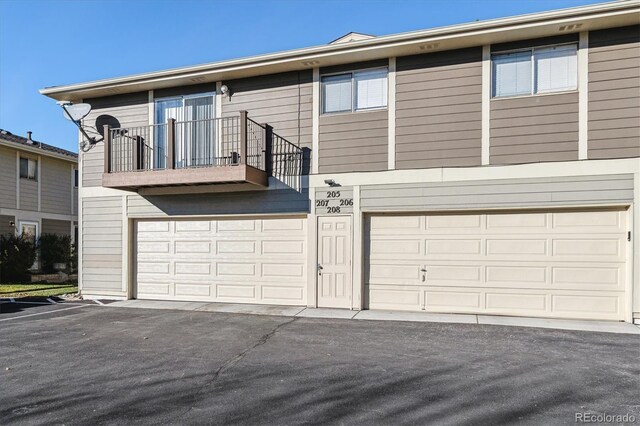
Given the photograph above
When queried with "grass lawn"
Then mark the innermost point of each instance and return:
(36, 289)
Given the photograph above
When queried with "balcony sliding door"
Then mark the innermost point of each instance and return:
(165, 109)
(195, 139)
(198, 134)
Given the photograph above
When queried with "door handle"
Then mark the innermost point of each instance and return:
(319, 269)
(424, 273)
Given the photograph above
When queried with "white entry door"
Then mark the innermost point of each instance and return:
(334, 261)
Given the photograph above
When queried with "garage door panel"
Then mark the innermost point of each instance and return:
(193, 289)
(520, 302)
(222, 260)
(589, 276)
(590, 222)
(607, 307)
(512, 263)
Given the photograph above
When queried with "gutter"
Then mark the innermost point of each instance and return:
(38, 151)
(317, 52)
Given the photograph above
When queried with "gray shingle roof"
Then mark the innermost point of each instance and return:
(10, 137)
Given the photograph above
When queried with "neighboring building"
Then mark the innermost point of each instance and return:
(490, 167)
(39, 191)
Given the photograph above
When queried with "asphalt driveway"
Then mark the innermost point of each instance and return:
(81, 364)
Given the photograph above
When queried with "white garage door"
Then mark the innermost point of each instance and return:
(259, 260)
(546, 264)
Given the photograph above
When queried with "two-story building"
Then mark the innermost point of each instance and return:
(39, 187)
(490, 167)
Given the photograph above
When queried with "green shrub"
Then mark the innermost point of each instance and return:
(54, 248)
(17, 254)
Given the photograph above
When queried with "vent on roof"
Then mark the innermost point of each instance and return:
(29, 140)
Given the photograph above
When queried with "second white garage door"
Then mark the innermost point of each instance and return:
(258, 260)
(548, 264)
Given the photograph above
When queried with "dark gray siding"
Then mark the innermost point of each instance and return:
(507, 193)
(282, 100)
(131, 110)
(532, 129)
(230, 203)
(8, 178)
(56, 182)
(614, 93)
(101, 244)
(439, 109)
(60, 227)
(5, 224)
(354, 142)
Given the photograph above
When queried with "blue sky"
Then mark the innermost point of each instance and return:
(54, 42)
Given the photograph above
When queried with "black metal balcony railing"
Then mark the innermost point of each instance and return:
(218, 142)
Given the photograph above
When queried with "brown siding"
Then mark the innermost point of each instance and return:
(439, 109)
(355, 66)
(5, 224)
(7, 178)
(545, 41)
(60, 227)
(614, 93)
(56, 186)
(131, 110)
(354, 142)
(533, 129)
(282, 100)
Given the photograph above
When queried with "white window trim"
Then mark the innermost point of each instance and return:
(353, 91)
(28, 222)
(533, 74)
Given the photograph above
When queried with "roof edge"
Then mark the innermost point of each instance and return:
(341, 48)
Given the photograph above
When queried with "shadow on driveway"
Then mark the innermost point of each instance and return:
(118, 366)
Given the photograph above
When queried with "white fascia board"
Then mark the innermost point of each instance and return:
(481, 32)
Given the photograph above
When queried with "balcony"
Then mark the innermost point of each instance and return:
(212, 155)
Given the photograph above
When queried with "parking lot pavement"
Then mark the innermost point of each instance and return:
(98, 365)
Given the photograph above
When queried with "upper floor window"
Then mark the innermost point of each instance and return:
(354, 91)
(28, 168)
(75, 178)
(535, 70)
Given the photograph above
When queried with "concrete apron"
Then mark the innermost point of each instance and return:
(299, 311)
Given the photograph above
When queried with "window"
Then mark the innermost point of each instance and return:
(354, 91)
(75, 177)
(28, 168)
(537, 70)
(195, 141)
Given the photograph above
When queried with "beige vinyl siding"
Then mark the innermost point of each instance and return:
(131, 110)
(439, 109)
(353, 142)
(101, 244)
(28, 194)
(7, 178)
(55, 196)
(531, 129)
(5, 224)
(60, 227)
(614, 93)
(284, 101)
(229, 203)
(504, 193)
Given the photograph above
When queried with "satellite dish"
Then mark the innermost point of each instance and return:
(76, 112)
(106, 120)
